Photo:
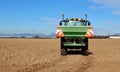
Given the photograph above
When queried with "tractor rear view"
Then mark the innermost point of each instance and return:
(74, 34)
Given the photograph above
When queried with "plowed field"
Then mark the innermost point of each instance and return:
(43, 55)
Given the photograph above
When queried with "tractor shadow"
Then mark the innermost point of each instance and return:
(77, 52)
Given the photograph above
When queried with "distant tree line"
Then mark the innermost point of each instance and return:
(41, 37)
(36, 37)
(101, 37)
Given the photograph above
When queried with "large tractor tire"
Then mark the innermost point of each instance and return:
(85, 49)
(63, 48)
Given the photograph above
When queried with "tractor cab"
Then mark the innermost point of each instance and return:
(74, 22)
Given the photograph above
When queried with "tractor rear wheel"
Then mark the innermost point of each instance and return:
(85, 49)
(63, 48)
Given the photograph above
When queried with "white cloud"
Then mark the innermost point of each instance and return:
(113, 4)
(116, 12)
(109, 3)
(92, 7)
(46, 20)
(97, 7)
(51, 21)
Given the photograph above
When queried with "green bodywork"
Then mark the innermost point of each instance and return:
(74, 31)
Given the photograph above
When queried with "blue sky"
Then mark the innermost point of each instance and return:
(42, 16)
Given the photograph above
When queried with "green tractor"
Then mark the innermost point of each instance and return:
(74, 34)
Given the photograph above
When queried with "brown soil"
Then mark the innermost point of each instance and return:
(43, 55)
